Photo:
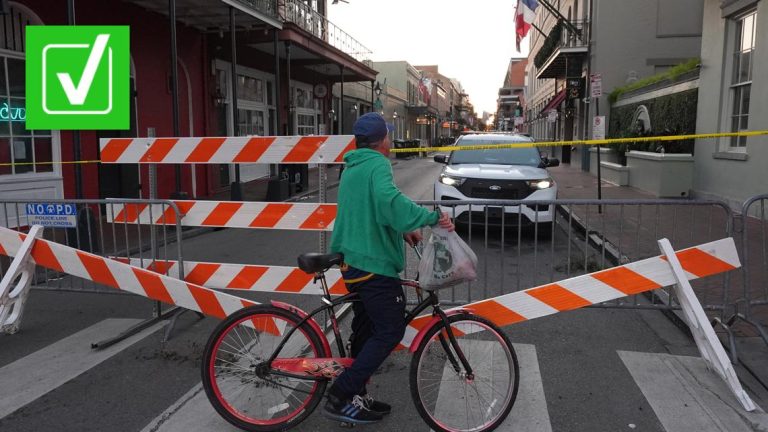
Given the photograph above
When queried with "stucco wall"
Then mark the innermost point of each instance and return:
(630, 36)
(716, 177)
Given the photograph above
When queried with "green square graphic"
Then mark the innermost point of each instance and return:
(78, 77)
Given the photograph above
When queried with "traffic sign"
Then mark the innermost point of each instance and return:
(552, 116)
(596, 85)
(598, 127)
(52, 215)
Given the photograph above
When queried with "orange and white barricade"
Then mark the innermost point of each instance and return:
(705, 260)
(245, 277)
(14, 287)
(326, 149)
(226, 150)
(672, 268)
(709, 345)
(118, 275)
(230, 214)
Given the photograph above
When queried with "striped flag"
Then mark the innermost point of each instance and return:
(524, 16)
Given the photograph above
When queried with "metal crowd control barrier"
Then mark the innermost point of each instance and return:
(754, 253)
(518, 246)
(96, 231)
(520, 243)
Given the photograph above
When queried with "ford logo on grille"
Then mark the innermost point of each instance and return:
(495, 188)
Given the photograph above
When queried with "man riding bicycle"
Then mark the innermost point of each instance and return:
(373, 220)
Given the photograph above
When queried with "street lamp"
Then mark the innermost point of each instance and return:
(331, 118)
(377, 89)
(394, 118)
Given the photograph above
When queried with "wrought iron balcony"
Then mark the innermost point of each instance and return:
(266, 7)
(308, 19)
(561, 45)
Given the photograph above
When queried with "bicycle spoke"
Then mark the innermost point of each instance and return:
(234, 364)
(239, 394)
(486, 398)
(494, 389)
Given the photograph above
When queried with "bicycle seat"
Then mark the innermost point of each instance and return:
(314, 262)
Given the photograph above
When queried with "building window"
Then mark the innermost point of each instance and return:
(741, 80)
(32, 150)
(305, 109)
(250, 88)
(305, 124)
(251, 122)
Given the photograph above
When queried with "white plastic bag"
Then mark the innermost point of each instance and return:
(446, 261)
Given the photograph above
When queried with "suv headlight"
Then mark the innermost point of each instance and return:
(541, 184)
(452, 181)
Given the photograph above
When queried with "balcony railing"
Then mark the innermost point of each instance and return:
(267, 7)
(301, 14)
(562, 36)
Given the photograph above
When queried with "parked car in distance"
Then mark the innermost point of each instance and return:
(497, 174)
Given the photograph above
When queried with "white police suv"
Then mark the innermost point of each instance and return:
(497, 174)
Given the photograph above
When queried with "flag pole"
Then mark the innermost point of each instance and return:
(538, 30)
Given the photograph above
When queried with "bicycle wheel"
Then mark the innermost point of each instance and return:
(253, 399)
(450, 401)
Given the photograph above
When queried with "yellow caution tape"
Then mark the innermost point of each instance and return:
(606, 141)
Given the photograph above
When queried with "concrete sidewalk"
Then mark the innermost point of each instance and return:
(629, 232)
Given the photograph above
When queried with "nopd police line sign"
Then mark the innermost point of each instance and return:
(52, 215)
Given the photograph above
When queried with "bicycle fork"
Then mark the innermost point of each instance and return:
(456, 348)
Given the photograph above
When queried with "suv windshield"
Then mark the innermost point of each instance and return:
(514, 156)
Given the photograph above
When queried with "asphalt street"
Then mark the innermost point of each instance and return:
(580, 371)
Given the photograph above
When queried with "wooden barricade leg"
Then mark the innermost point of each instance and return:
(709, 345)
(14, 288)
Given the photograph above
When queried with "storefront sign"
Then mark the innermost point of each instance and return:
(552, 116)
(52, 215)
(574, 86)
(450, 125)
(424, 120)
(78, 77)
(12, 113)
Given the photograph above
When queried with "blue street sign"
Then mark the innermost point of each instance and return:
(52, 215)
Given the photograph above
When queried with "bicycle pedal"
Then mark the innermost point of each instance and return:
(347, 425)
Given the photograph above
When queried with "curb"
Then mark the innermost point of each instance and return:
(311, 192)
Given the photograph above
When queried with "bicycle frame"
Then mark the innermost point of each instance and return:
(324, 368)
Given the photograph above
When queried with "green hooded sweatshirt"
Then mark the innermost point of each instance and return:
(373, 215)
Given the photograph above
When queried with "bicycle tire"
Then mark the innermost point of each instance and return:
(439, 413)
(262, 322)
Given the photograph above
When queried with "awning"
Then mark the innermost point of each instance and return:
(554, 102)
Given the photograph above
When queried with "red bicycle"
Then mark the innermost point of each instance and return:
(265, 368)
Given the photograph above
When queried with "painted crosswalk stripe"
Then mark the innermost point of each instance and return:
(687, 397)
(33, 376)
(530, 410)
(192, 412)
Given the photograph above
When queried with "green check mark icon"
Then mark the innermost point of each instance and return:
(77, 94)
